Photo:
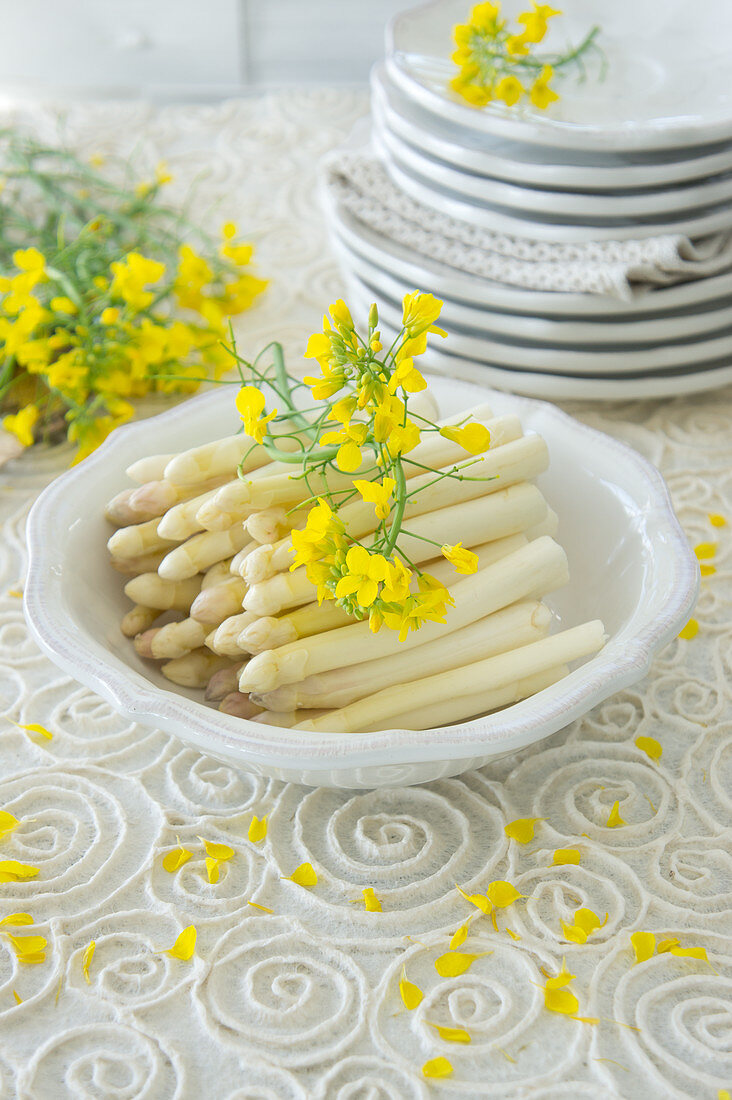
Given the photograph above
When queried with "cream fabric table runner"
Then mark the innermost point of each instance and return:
(304, 1002)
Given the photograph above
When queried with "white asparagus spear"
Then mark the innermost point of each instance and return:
(534, 570)
(133, 542)
(509, 628)
(137, 619)
(548, 526)
(268, 632)
(493, 673)
(154, 498)
(237, 562)
(151, 468)
(180, 521)
(224, 639)
(152, 590)
(507, 512)
(201, 551)
(221, 456)
(235, 500)
(214, 604)
(271, 524)
(478, 704)
(266, 560)
(131, 567)
(120, 511)
(218, 573)
(172, 640)
(285, 719)
(223, 683)
(195, 669)
(238, 704)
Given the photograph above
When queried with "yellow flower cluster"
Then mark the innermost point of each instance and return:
(497, 62)
(366, 391)
(88, 325)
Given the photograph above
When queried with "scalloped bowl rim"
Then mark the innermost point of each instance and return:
(617, 666)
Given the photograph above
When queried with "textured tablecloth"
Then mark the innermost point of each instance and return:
(305, 1001)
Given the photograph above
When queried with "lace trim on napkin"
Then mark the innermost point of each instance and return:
(621, 269)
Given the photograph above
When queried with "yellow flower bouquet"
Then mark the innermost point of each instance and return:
(106, 294)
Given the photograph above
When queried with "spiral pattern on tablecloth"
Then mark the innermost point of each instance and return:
(682, 1010)
(188, 891)
(369, 1078)
(499, 1002)
(197, 784)
(73, 825)
(287, 997)
(617, 719)
(86, 728)
(30, 982)
(102, 1062)
(262, 1082)
(576, 786)
(130, 968)
(410, 844)
(599, 882)
(707, 776)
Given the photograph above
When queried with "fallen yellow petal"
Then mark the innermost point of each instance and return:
(573, 933)
(650, 746)
(455, 963)
(588, 921)
(35, 728)
(174, 860)
(644, 944)
(184, 945)
(716, 520)
(561, 1000)
(7, 823)
(723, 1094)
(212, 869)
(615, 819)
(410, 993)
(437, 1067)
(458, 938)
(500, 894)
(86, 959)
(18, 999)
(220, 852)
(451, 1034)
(561, 979)
(17, 919)
(513, 935)
(705, 550)
(566, 855)
(479, 900)
(12, 871)
(690, 630)
(257, 829)
(262, 907)
(690, 953)
(17, 593)
(522, 829)
(304, 875)
(667, 945)
(370, 900)
(29, 949)
(707, 570)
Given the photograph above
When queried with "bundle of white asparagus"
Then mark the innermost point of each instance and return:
(205, 539)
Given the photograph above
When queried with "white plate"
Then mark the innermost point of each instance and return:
(542, 330)
(532, 165)
(449, 282)
(560, 228)
(605, 362)
(527, 201)
(630, 562)
(667, 83)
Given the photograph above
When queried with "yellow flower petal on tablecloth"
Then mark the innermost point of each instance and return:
(16, 919)
(644, 944)
(437, 1067)
(690, 630)
(257, 829)
(501, 894)
(304, 875)
(174, 860)
(650, 746)
(7, 823)
(455, 963)
(13, 871)
(522, 829)
(451, 1034)
(86, 960)
(614, 818)
(410, 993)
(184, 945)
(566, 855)
(480, 901)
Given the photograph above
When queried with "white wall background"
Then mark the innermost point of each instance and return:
(186, 49)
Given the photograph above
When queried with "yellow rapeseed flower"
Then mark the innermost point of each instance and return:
(464, 561)
(250, 403)
(21, 424)
(378, 494)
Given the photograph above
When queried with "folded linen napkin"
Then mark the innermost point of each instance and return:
(360, 182)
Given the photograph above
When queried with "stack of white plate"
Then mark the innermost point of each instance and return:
(644, 152)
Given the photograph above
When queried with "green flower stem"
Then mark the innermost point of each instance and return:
(401, 503)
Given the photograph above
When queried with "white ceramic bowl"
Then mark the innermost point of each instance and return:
(640, 104)
(630, 563)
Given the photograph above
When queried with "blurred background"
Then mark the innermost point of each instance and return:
(172, 50)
